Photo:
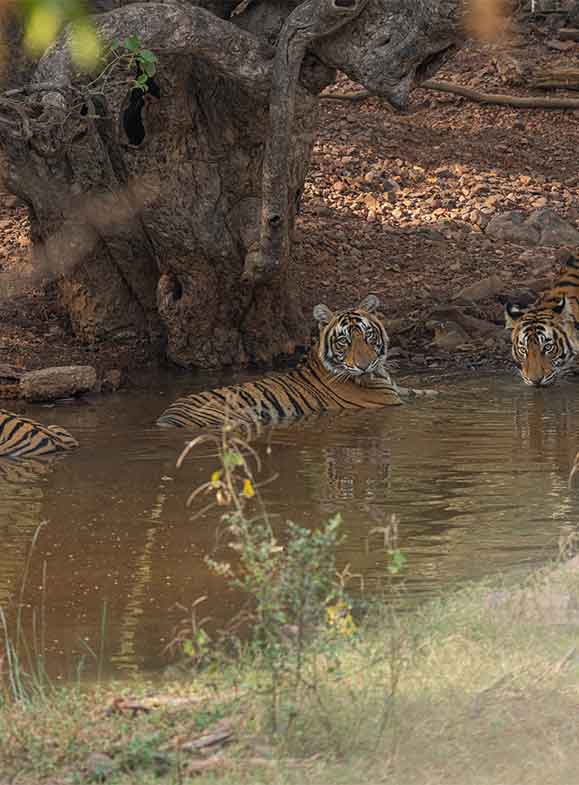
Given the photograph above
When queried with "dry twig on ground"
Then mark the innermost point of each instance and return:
(522, 102)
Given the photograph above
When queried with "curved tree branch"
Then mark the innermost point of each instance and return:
(308, 22)
(168, 28)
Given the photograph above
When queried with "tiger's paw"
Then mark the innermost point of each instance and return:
(411, 392)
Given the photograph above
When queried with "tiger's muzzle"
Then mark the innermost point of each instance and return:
(362, 357)
(537, 370)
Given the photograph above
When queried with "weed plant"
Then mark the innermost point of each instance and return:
(298, 615)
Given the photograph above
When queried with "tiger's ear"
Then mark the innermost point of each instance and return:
(322, 314)
(564, 308)
(513, 313)
(369, 303)
(560, 307)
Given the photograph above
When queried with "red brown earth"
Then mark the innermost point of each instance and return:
(395, 204)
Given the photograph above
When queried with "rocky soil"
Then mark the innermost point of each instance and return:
(403, 205)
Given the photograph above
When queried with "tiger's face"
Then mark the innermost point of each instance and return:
(353, 342)
(544, 342)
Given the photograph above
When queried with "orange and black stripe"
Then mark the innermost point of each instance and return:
(24, 438)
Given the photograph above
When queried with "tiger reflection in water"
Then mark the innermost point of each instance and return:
(357, 474)
(21, 514)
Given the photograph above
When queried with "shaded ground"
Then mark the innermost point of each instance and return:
(394, 204)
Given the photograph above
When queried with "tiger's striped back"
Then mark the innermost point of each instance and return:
(345, 370)
(545, 337)
(21, 437)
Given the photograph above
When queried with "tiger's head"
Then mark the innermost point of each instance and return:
(352, 342)
(544, 341)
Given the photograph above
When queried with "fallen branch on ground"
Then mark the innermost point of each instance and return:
(556, 78)
(521, 102)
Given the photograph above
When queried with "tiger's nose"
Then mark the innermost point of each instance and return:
(365, 363)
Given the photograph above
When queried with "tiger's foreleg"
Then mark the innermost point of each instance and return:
(403, 392)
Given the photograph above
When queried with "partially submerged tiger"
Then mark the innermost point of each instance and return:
(24, 438)
(344, 370)
(545, 337)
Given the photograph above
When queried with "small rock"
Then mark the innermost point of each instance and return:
(542, 227)
(512, 227)
(430, 234)
(492, 201)
(323, 211)
(99, 767)
(479, 188)
(480, 290)
(476, 328)
(49, 384)
(553, 229)
(371, 202)
(391, 186)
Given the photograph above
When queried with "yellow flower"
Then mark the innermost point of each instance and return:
(339, 617)
(248, 489)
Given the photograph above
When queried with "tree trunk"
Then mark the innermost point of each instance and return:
(169, 214)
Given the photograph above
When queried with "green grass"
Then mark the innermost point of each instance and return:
(457, 693)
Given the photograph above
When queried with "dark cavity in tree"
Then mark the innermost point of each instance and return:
(133, 114)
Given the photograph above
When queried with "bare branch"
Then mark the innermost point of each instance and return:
(309, 21)
(497, 99)
(168, 29)
(523, 102)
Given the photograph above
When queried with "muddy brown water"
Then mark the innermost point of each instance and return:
(476, 477)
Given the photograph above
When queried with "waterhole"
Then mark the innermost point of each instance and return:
(476, 478)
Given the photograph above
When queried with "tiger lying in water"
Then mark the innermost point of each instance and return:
(545, 337)
(24, 438)
(344, 370)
